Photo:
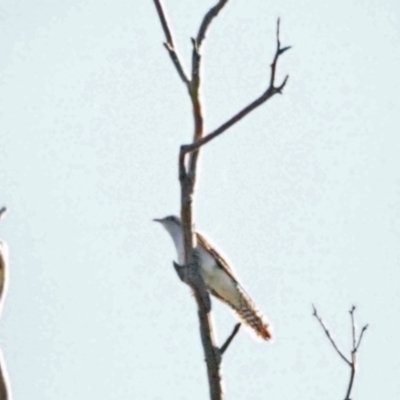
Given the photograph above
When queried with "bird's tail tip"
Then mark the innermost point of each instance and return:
(264, 332)
(252, 318)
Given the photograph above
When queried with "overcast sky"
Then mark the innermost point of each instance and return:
(303, 196)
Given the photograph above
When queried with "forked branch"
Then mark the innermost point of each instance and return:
(352, 360)
(328, 334)
(169, 44)
(188, 173)
(268, 93)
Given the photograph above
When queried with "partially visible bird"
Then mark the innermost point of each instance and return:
(218, 277)
(3, 264)
(3, 271)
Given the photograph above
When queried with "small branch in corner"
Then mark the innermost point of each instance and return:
(328, 334)
(352, 361)
(268, 93)
(230, 338)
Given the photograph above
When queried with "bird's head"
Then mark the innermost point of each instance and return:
(171, 223)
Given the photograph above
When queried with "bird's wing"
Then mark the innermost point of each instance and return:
(240, 301)
(222, 263)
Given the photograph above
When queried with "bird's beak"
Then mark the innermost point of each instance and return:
(158, 220)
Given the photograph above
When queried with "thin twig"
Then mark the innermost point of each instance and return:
(335, 346)
(270, 92)
(353, 326)
(279, 51)
(230, 338)
(236, 118)
(164, 23)
(169, 44)
(197, 43)
(361, 336)
(196, 81)
(210, 15)
(355, 346)
(178, 65)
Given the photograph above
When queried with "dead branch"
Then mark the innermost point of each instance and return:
(169, 44)
(352, 360)
(230, 338)
(269, 92)
(188, 173)
(335, 346)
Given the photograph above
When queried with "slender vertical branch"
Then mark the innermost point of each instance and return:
(196, 81)
(351, 381)
(169, 44)
(361, 336)
(188, 182)
(188, 179)
(353, 326)
(352, 361)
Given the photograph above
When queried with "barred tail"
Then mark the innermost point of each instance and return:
(253, 318)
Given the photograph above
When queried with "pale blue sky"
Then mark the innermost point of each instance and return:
(303, 196)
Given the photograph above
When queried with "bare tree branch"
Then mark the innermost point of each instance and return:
(196, 81)
(169, 44)
(279, 51)
(353, 326)
(270, 92)
(189, 273)
(361, 336)
(335, 346)
(230, 338)
(351, 381)
(210, 15)
(187, 177)
(355, 345)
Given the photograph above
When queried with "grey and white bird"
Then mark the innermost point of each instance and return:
(218, 277)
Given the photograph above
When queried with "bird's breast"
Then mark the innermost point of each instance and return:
(217, 279)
